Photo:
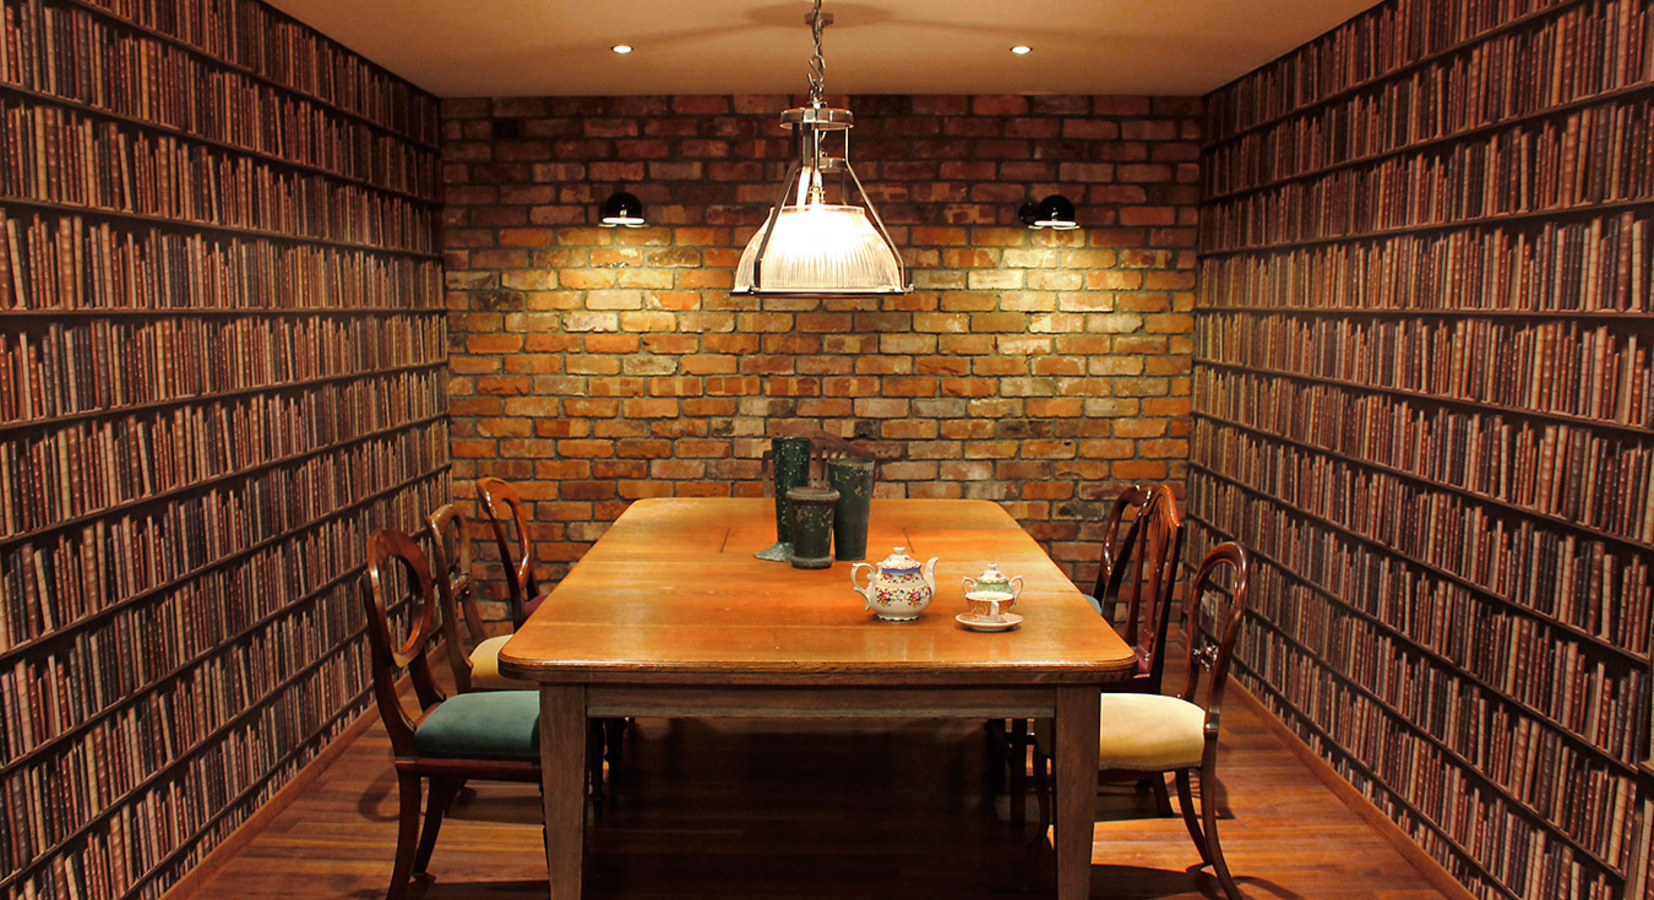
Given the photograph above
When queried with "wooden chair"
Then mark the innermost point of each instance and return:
(1128, 509)
(474, 656)
(1154, 734)
(503, 506)
(1134, 592)
(491, 735)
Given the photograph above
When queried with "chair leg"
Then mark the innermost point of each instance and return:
(1043, 791)
(1016, 756)
(407, 832)
(1162, 797)
(595, 731)
(1191, 818)
(614, 741)
(442, 794)
(1209, 818)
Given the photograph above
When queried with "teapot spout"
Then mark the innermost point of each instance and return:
(930, 574)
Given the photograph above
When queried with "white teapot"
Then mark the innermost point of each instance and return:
(897, 588)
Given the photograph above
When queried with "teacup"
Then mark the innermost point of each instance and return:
(989, 605)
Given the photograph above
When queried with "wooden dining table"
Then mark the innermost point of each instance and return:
(669, 614)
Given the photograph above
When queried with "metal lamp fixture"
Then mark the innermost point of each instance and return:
(1055, 211)
(622, 208)
(809, 246)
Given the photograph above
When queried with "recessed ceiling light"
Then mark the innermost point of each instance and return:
(1022, 49)
(622, 49)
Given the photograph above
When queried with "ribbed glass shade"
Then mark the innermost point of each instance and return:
(822, 248)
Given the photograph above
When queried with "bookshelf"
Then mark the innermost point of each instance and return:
(222, 366)
(1423, 397)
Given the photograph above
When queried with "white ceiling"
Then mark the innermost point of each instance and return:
(469, 48)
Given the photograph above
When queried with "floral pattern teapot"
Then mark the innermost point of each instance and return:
(898, 588)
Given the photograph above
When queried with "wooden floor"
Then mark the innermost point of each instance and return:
(733, 809)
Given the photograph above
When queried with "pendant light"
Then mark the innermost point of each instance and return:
(809, 245)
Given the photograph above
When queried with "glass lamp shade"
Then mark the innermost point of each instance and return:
(821, 248)
(622, 208)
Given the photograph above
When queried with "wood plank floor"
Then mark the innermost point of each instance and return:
(734, 809)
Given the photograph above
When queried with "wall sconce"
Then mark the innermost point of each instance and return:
(1055, 211)
(622, 208)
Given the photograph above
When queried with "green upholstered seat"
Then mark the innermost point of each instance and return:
(484, 723)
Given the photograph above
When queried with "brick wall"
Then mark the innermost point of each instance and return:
(1040, 369)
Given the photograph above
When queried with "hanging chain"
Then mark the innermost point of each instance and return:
(818, 64)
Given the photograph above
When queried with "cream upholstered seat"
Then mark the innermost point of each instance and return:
(485, 667)
(1150, 734)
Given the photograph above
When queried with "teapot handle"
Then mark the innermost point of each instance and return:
(1016, 587)
(968, 583)
(867, 591)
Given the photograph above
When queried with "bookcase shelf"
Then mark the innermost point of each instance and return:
(213, 228)
(1423, 394)
(1230, 131)
(25, 425)
(1550, 520)
(1615, 784)
(1443, 140)
(1534, 216)
(216, 61)
(71, 626)
(222, 366)
(1283, 707)
(99, 112)
(1420, 647)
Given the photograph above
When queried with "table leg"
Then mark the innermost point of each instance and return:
(1076, 789)
(563, 785)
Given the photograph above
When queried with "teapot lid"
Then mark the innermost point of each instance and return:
(992, 574)
(898, 559)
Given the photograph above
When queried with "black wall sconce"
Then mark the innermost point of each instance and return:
(622, 208)
(1055, 211)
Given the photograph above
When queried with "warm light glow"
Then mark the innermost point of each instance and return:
(622, 49)
(822, 247)
(1022, 49)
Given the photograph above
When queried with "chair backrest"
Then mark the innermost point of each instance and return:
(1211, 622)
(1146, 577)
(451, 561)
(392, 553)
(1129, 509)
(504, 508)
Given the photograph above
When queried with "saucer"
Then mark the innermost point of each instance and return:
(1007, 621)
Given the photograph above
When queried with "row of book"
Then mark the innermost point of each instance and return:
(1517, 858)
(67, 262)
(1590, 371)
(1557, 573)
(85, 467)
(108, 853)
(1591, 693)
(1600, 264)
(61, 369)
(1561, 470)
(54, 155)
(55, 584)
(234, 36)
(1435, 739)
(1394, 707)
(74, 54)
(155, 721)
(1601, 154)
(107, 693)
(1374, 45)
(1585, 50)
